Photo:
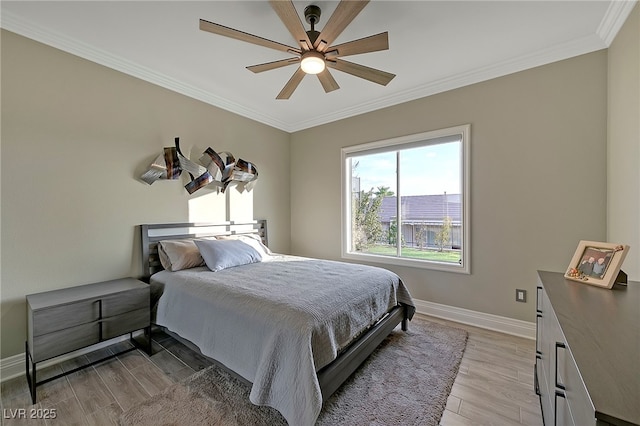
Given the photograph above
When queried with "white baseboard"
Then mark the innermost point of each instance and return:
(14, 366)
(478, 319)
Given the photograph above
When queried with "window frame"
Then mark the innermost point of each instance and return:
(396, 144)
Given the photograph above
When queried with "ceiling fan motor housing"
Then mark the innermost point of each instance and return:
(312, 16)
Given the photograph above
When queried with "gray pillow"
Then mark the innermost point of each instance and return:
(179, 254)
(222, 254)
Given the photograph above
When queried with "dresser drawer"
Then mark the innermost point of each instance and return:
(578, 399)
(562, 415)
(61, 317)
(60, 342)
(125, 323)
(119, 303)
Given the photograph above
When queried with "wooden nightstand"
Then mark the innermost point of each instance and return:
(62, 321)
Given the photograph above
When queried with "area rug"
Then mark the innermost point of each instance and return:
(406, 381)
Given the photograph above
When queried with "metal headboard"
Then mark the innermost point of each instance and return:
(151, 234)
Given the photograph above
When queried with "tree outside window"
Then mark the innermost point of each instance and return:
(415, 210)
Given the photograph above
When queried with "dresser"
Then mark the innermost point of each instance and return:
(587, 369)
(65, 320)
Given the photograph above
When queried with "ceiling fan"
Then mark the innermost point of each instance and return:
(315, 53)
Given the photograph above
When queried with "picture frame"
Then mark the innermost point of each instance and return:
(597, 263)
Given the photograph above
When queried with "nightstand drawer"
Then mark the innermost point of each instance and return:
(64, 320)
(125, 323)
(128, 301)
(60, 342)
(64, 316)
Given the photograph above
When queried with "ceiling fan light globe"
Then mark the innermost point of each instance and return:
(312, 63)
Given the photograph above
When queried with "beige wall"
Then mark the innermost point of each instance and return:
(538, 178)
(75, 138)
(623, 165)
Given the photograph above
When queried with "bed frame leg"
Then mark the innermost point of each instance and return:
(405, 319)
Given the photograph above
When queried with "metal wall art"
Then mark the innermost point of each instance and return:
(219, 170)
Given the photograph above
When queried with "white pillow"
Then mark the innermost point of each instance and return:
(179, 254)
(222, 254)
(253, 240)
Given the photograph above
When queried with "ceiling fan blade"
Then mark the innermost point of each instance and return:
(371, 74)
(288, 15)
(372, 43)
(291, 85)
(273, 65)
(242, 36)
(342, 16)
(329, 84)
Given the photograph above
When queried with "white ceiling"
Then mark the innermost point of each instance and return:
(434, 46)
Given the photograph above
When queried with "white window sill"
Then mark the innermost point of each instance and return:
(413, 263)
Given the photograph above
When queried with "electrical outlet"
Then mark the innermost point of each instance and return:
(521, 295)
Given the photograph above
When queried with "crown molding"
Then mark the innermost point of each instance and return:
(557, 53)
(13, 23)
(616, 14)
(614, 18)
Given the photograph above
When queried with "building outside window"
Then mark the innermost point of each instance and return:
(406, 200)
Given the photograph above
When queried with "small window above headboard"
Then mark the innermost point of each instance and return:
(151, 234)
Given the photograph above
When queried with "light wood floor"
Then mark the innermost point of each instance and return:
(494, 385)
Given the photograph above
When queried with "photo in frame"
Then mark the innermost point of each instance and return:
(597, 263)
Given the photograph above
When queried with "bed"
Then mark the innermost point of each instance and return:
(294, 328)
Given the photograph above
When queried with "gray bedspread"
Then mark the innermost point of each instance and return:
(276, 323)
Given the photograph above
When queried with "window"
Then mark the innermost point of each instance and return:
(406, 200)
